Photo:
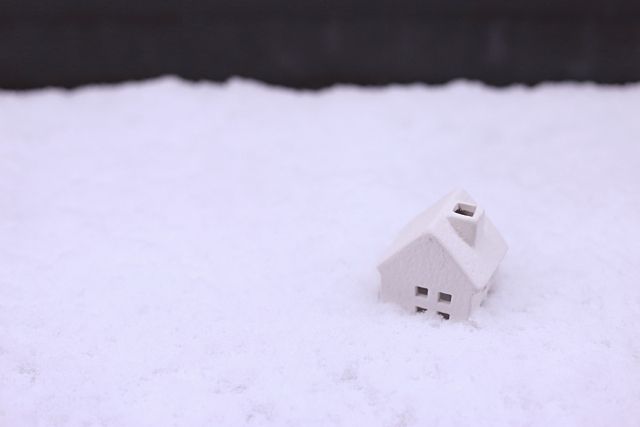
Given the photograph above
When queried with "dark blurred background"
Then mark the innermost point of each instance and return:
(313, 44)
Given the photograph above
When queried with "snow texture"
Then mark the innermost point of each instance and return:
(197, 254)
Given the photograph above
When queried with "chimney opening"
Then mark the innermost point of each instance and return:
(465, 209)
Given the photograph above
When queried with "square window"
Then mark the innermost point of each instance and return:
(444, 315)
(422, 291)
(442, 297)
(420, 310)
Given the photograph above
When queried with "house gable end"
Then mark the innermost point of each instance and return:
(424, 263)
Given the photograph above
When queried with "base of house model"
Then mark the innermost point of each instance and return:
(444, 260)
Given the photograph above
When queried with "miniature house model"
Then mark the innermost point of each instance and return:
(443, 261)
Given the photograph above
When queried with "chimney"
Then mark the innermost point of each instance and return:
(466, 219)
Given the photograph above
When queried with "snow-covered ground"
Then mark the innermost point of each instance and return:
(179, 254)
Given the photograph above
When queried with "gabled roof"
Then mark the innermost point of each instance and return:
(468, 235)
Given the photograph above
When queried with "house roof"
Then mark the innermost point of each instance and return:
(470, 237)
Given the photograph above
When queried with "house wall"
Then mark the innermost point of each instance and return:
(479, 297)
(425, 263)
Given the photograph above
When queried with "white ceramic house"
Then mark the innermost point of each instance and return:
(444, 260)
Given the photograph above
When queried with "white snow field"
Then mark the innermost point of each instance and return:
(198, 254)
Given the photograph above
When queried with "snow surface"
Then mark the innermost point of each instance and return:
(204, 254)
